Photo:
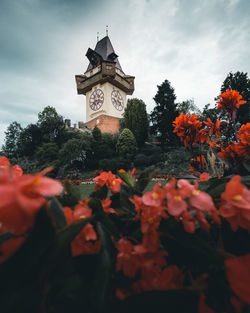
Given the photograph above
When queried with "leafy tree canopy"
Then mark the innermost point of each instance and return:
(12, 138)
(189, 107)
(51, 125)
(135, 118)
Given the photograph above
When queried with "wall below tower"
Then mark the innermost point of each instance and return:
(106, 124)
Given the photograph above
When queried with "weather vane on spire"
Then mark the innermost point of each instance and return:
(97, 36)
(107, 32)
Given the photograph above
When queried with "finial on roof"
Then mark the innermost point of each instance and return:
(97, 36)
(107, 32)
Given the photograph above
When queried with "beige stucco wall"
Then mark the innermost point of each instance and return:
(107, 108)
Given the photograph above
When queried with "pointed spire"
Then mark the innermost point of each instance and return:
(107, 31)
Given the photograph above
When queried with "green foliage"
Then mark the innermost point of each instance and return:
(76, 150)
(135, 118)
(126, 144)
(240, 82)
(163, 115)
(12, 138)
(189, 107)
(51, 125)
(30, 139)
(212, 113)
(97, 135)
(114, 164)
(47, 154)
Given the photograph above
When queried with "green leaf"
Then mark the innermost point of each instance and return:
(100, 193)
(65, 236)
(73, 192)
(103, 217)
(144, 179)
(5, 236)
(56, 213)
(105, 267)
(127, 178)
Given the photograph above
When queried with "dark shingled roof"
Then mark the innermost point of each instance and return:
(105, 49)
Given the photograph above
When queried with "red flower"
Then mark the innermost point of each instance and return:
(230, 154)
(187, 128)
(86, 242)
(154, 197)
(106, 206)
(113, 183)
(204, 177)
(4, 162)
(214, 129)
(21, 198)
(244, 134)
(127, 259)
(16, 169)
(238, 275)
(235, 205)
(230, 101)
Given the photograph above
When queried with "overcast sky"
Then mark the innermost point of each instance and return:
(192, 43)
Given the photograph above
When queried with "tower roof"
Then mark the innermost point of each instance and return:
(105, 49)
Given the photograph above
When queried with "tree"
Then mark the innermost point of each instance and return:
(47, 154)
(135, 118)
(240, 82)
(51, 125)
(212, 113)
(126, 144)
(189, 107)
(76, 150)
(163, 114)
(29, 140)
(12, 138)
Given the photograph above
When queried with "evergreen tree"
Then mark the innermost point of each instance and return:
(135, 118)
(163, 114)
(12, 138)
(240, 82)
(126, 144)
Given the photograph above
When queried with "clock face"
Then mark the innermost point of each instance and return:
(117, 100)
(96, 99)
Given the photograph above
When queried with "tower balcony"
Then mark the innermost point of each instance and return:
(107, 72)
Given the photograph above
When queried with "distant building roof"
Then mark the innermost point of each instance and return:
(105, 49)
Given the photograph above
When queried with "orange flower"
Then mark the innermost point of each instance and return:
(21, 198)
(154, 197)
(86, 242)
(238, 275)
(187, 128)
(232, 154)
(204, 177)
(235, 207)
(127, 260)
(230, 101)
(214, 129)
(4, 162)
(106, 206)
(242, 150)
(244, 134)
(113, 183)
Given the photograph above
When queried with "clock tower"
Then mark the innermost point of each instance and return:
(106, 87)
